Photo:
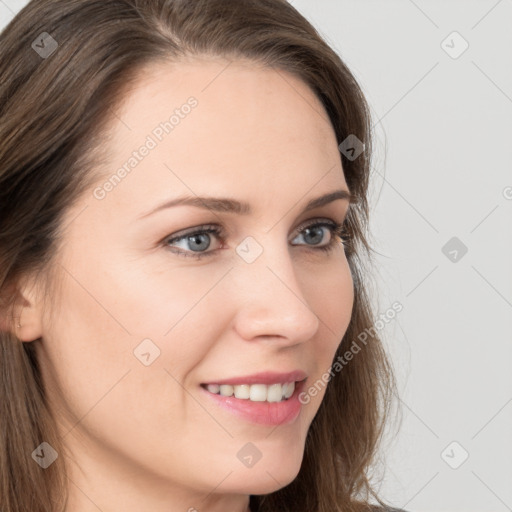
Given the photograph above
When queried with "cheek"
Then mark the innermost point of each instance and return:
(100, 387)
(85, 350)
(330, 292)
(158, 299)
(331, 297)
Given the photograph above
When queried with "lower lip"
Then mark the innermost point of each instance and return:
(263, 413)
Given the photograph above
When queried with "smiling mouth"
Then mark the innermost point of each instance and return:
(270, 404)
(278, 392)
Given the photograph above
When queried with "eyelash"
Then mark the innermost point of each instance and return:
(339, 233)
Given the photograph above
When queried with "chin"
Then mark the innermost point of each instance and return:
(267, 478)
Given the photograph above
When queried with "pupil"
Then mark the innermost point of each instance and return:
(197, 239)
(319, 234)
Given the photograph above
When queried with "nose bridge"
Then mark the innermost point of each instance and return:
(271, 301)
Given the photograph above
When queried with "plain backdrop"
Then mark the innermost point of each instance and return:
(438, 77)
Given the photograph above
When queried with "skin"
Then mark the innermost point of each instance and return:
(145, 437)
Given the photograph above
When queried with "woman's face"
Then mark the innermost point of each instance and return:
(139, 325)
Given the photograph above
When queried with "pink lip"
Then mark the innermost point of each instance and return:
(264, 378)
(263, 413)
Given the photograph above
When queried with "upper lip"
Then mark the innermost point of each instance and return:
(264, 378)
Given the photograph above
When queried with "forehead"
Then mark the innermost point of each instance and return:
(238, 103)
(237, 123)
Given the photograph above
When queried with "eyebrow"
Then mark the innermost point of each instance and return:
(225, 205)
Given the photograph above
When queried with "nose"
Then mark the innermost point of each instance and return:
(271, 303)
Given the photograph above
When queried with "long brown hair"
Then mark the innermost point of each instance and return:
(64, 66)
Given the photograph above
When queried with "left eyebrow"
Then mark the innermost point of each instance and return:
(225, 205)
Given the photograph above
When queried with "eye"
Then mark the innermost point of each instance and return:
(197, 241)
(194, 244)
(315, 233)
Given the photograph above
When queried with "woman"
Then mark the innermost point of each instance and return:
(183, 195)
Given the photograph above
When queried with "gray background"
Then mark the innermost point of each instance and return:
(442, 169)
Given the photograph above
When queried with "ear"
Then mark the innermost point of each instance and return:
(27, 311)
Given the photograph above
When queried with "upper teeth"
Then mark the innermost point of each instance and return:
(255, 392)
